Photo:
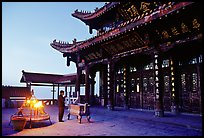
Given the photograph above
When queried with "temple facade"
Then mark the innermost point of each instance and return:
(149, 55)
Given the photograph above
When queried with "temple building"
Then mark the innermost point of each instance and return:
(148, 54)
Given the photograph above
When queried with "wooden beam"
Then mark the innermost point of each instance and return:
(43, 84)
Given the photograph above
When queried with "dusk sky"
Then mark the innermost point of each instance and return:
(28, 28)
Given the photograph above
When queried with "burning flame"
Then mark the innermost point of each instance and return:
(38, 104)
(28, 101)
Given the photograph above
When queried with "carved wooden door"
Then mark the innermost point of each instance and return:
(135, 90)
(119, 92)
(190, 90)
(166, 89)
(148, 94)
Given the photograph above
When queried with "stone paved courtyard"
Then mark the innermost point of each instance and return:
(104, 122)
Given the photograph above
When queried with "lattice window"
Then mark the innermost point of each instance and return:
(183, 82)
(149, 66)
(145, 81)
(117, 88)
(166, 84)
(200, 59)
(151, 81)
(122, 70)
(138, 85)
(146, 67)
(194, 81)
(165, 63)
(132, 82)
(193, 61)
(180, 64)
(118, 72)
(131, 69)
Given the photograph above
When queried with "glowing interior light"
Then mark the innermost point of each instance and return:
(28, 101)
(173, 95)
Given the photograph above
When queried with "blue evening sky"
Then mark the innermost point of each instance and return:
(28, 28)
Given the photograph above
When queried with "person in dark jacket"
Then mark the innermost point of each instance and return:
(61, 105)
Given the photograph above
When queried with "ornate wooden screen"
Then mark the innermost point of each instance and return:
(190, 100)
(148, 94)
(119, 92)
(166, 85)
(135, 88)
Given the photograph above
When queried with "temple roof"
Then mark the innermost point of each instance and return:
(64, 47)
(85, 16)
(124, 27)
(31, 77)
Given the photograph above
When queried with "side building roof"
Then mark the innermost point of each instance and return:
(31, 77)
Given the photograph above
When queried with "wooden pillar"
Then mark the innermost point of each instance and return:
(199, 80)
(65, 90)
(77, 84)
(87, 85)
(53, 96)
(110, 85)
(159, 110)
(77, 87)
(103, 85)
(175, 79)
(70, 91)
(57, 91)
(93, 75)
(126, 85)
(28, 85)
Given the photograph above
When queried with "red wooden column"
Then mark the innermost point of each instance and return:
(126, 85)
(70, 91)
(103, 85)
(65, 90)
(93, 75)
(87, 85)
(57, 90)
(77, 84)
(199, 79)
(175, 78)
(159, 111)
(110, 85)
(53, 94)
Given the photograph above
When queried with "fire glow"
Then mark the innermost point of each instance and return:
(38, 104)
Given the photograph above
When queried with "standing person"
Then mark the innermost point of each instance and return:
(61, 105)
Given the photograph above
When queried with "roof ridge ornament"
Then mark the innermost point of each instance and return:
(74, 41)
(96, 9)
